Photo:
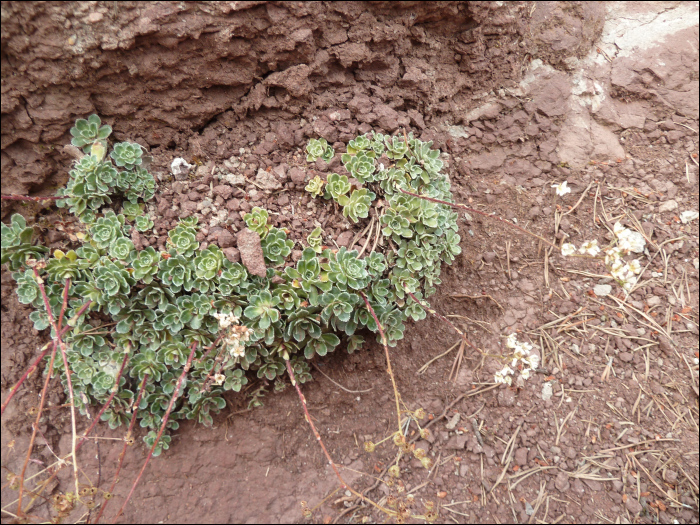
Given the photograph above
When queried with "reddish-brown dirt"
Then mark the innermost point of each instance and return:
(520, 96)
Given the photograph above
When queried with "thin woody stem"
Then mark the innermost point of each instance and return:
(34, 430)
(311, 423)
(115, 388)
(188, 364)
(344, 485)
(62, 346)
(472, 210)
(388, 361)
(126, 444)
(31, 369)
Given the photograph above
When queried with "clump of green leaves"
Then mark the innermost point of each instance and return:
(315, 186)
(94, 178)
(154, 306)
(319, 149)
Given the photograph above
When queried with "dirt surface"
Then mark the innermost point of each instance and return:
(519, 96)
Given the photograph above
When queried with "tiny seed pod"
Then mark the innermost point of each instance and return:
(427, 462)
(405, 448)
(84, 492)
(389, 482)
(107, 495)
(429, 505)
(391, 501)
(395, 471)
(399, 518)
(410, 499)
(431, 516)
(419, 414)
(424, 433)
(369, 446)
(419, 453)
(398, 439)
(89, 504)
(129, 441)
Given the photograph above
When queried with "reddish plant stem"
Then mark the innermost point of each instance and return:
(162, 428)
(344, 485)
(442, 318)
(209, 349)
(114, 391)
(62, 346)
(27, 198)
(38, 360)
(311, 423)
(123, 454)
(472, 210)
(63, 306)
(20, 513)
(388, 361)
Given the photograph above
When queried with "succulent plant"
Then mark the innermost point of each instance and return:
(127, 155)
(376, 264)
(121, 248)
(17, 244)
(345, 269)
(209, 262)
(321, 345)
(396, 148)
(256, 220)
(396, 223)
(87, 132)
(107, 229)
(319, 149)
(339, 304)
(358, 144)
(276, 247)
(162, 303)
(357, 206)
(112, 278)
(143, 223)
(361, 166)
(262, 309)
(176, 271)
(336, 186)
(315, 241)
(183, 239)
(315, 186)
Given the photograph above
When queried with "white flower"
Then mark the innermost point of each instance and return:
(568, 249)
(619, 230)
(512, 340)
(562, 189)
(525, 373)
(503, 376)
(219, 378)
(635, 266)
(590, 247)
(612, 255)
(636, 242)
(533, 360)
(618, 269)
(381, 167)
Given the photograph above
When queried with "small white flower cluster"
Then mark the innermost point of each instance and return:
(521, 352)
(628, 241)
(237, 334)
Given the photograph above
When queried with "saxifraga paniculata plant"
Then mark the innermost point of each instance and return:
(154, 306)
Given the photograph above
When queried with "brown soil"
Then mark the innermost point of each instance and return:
(519, 99)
